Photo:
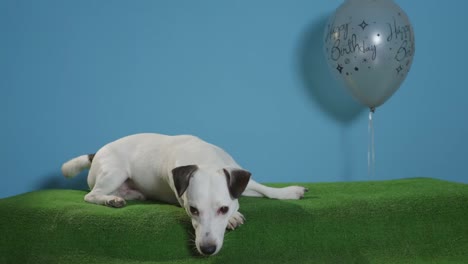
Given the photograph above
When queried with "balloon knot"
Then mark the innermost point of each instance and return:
(372, 109)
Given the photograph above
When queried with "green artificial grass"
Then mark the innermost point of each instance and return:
(400, 221)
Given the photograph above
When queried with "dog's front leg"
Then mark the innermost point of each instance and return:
(235, 221)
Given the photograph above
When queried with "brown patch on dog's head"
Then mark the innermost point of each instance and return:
(237, 181)
(181, 176)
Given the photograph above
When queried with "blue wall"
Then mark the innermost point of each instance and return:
(248, 76)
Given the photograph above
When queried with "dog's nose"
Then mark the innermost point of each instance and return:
(208, 249)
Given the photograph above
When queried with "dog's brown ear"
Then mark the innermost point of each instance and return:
(237, 181)
(181, 176)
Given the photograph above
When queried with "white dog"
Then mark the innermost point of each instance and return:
(199, 176)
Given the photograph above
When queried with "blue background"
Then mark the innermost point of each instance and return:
(248, 76)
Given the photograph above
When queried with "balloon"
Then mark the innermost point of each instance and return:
(369, 44)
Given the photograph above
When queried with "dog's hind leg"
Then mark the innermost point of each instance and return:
(105, 182)
(255, 189)
(128, 193)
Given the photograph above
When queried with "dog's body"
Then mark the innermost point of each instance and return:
(184, 170)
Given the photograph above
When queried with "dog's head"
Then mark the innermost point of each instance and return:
(210, 199)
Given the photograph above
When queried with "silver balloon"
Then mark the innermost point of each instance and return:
(369, 44)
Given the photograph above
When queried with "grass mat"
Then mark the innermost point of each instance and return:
(400, 221)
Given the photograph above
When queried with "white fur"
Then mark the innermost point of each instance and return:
(140, 166)
(74, 166)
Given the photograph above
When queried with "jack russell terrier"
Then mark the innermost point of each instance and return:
(184, 170)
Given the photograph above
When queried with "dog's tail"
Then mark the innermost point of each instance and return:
(74, 166)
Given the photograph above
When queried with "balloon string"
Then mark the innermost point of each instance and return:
(371, 146)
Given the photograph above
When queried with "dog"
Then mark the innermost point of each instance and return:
(185, 170)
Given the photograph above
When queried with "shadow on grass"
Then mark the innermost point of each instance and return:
(55, 180)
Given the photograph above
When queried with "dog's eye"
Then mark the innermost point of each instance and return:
(194, 210)
(223, 210)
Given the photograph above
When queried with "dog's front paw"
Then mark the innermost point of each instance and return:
(235, 221)
(116, 202)
(293, 192)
